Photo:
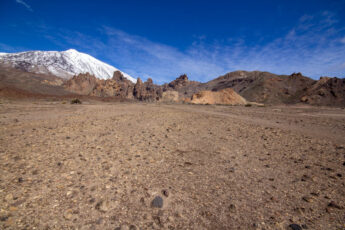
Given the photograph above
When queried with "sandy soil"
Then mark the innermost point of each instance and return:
(151, 166)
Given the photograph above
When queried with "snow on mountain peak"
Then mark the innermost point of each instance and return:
(63, 64)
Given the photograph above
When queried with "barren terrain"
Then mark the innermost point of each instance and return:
(152, 166)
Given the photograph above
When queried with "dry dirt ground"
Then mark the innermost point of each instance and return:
(154, 166)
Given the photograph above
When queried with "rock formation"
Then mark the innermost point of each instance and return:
(326, 91)
(224, 97)
(147, 91)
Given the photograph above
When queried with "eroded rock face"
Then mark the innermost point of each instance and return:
(86, 84)
(224, 97)
(326, 91)
(170, 96)
(118, 86)
(147, 91)
(81, 84)
(179, 82)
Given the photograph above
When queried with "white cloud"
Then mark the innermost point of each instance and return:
(24, 4)
(312, 47)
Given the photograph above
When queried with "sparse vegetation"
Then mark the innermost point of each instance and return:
(76, 101)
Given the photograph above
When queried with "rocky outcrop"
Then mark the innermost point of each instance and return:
(179, 82)
(83, 84)
(327, 91)
(170, 96)
(223, 97)
(86, 84)
(147, 91)
(118, 86)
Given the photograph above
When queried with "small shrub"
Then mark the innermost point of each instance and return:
(63, 102)
(248, 105)
(76, 101)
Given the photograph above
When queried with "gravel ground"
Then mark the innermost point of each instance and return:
(154, 166)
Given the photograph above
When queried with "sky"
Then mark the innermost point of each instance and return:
(203, 39)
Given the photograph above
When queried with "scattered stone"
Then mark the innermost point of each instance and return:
(232, 207)
(3, 217)
(165, 192)
(332, 204)
(68, 214)
(157, 202)
(295, 227)
(339, 175)
(68, 137)
(102, 206)
(304, 226)
(307, 199)
(20, 180)
(232, 169)
(9, 197)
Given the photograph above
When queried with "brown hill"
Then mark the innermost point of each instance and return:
(224, 97)
(263, 87)
(15, 81)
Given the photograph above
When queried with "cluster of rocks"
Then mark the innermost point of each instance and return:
(117, 86)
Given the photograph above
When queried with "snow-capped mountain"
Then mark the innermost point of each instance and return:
(63, 64)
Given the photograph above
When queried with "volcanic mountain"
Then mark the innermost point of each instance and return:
(63, 64)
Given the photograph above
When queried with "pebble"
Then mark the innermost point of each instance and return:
(307, 199)
(102, 206)
(165, 192)
(68, 214)
(9, 197)
(157, 202)
(295, 227)
(332, 204)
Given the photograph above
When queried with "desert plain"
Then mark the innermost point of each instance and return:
(112, 165)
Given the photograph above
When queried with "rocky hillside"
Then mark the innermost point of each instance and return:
(255, 86)
(268, 88)
(263, 87)
(326, 91)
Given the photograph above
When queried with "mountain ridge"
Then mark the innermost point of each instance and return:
(64, 64)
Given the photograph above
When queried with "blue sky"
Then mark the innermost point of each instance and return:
(204, 39)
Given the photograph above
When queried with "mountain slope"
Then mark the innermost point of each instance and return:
(63, 64)
(263, 87)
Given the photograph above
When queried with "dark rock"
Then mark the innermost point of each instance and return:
(157, 202)
(165, 192)
(20, 180)
(332, 204)
(132, 227)
(3, 218)
(295, 227)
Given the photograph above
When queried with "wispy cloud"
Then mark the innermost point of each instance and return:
(314, 46)
(24, 4)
